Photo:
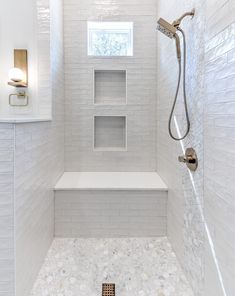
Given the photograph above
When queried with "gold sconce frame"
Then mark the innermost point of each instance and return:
(21, 62)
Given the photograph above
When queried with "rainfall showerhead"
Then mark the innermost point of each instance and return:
(166, 28)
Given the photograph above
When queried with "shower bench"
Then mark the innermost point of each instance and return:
(110, 204)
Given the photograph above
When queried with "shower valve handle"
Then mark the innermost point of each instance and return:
(182, 159)
(190, 159)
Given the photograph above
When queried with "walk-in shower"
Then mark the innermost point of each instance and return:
(170, 30)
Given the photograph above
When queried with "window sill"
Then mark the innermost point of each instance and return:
(25, 120)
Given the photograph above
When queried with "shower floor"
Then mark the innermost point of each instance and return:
(138, 267)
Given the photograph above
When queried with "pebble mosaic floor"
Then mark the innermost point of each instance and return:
(138, 267)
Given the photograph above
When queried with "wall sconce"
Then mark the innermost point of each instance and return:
(19, 76)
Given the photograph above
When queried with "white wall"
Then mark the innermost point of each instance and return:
(201, 222)
(219, 125)
(141, 86)
(15, 32)
(7, 259)
(185, 198)
(31, 161)
(19, 28)
(219, 15)
(39, 162)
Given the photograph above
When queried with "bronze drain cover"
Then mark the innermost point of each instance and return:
(108, 289)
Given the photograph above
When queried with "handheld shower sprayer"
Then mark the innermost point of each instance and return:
(170, 30)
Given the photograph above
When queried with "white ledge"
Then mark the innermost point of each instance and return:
(110, 181)
(25, 120)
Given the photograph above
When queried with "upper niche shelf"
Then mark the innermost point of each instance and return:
(110, 87)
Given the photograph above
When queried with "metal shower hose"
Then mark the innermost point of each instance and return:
(177, 93)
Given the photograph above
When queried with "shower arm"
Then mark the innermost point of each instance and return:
(177, 22)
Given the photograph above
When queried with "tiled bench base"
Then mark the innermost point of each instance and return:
(110, 213)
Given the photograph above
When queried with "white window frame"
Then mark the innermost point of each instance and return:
(110, 27)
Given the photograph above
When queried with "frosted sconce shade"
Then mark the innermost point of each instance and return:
(16, 75)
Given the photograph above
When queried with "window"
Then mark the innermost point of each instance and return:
(110, 38)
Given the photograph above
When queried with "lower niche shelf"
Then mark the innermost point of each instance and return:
(110, 133)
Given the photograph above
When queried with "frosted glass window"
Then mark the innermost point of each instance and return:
(110, 38)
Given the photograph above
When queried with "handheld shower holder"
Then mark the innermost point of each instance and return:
(177, 22)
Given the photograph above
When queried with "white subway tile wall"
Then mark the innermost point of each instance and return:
(141, 86)
(199, 223)
(7, 258)
(185, 223)
(39, 162)
(219, 14)
(44, 83)
(108, 213)
(219, 124)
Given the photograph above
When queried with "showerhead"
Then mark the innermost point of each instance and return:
(170, 31)
(166, 28)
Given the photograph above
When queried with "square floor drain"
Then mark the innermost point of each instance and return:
(108, 289)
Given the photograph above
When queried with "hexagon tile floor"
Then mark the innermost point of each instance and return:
(137, 266)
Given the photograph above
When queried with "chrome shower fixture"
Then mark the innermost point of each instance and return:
(170, 30)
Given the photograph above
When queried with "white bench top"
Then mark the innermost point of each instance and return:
(110, 181)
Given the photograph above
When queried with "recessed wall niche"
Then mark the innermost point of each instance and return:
(110, 87)
(110, 133)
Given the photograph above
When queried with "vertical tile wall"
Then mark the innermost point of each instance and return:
(44, 79)
(200, 222)
(185, 201)
(219, 142)
(141, 86)
(7, 260)
(39, 162)
(31, 161)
